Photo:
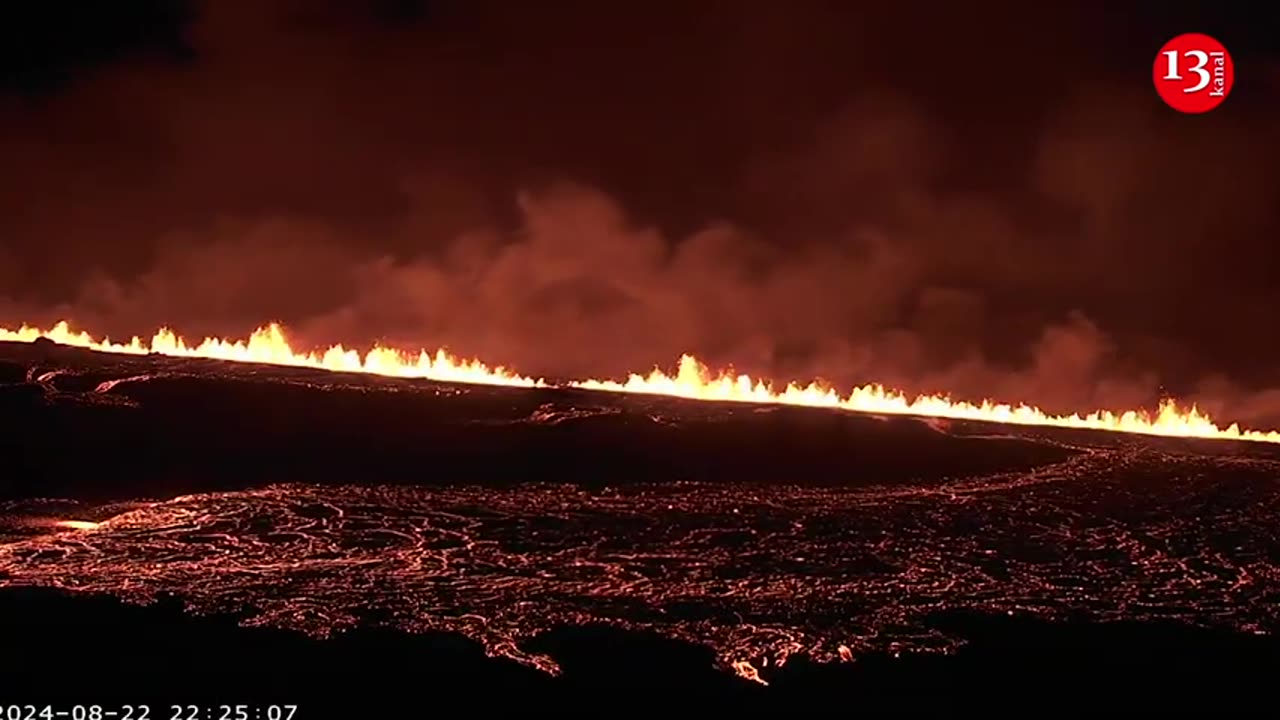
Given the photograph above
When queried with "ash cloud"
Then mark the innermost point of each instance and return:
(794, 192)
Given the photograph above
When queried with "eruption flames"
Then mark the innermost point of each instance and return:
(692, 380)
(268, 345)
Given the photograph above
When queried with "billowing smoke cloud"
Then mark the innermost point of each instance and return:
(580, 290)
(361, 183)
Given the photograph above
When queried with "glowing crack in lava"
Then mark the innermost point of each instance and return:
(692, 380)
(76, 524)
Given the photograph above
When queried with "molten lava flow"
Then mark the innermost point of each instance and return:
(692, 380)
(268, 345)
(76, 524)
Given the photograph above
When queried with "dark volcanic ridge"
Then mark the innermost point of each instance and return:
(330, 504)
(251, 424)
(212, 425)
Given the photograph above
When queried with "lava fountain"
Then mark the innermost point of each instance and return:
(692, 380)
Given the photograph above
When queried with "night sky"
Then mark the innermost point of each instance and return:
(982, 198)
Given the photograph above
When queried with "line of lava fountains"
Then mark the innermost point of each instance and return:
(692, 380)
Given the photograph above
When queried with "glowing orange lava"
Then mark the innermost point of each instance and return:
(77, 524)
(268, 345)
(692, 380)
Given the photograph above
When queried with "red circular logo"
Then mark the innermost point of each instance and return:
(1193, 73)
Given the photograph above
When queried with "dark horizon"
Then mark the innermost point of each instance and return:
(922, 197)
